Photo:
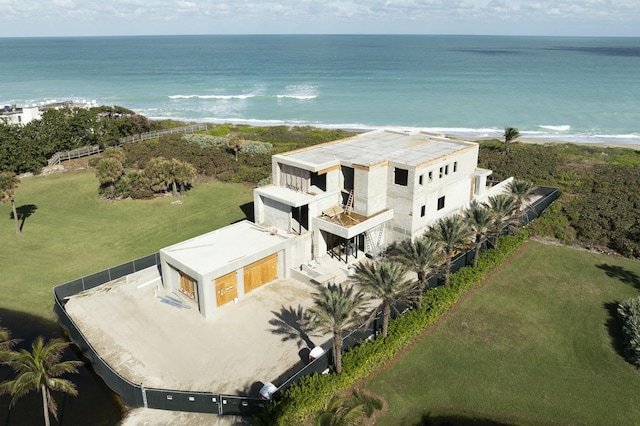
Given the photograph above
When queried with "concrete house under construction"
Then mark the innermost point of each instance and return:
(341, 200)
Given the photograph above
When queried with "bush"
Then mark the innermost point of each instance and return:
(629, 313)
(205, 141)
(254, 147)
(305, 398)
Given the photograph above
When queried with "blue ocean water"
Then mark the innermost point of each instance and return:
(573, 89)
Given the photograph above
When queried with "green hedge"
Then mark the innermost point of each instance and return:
(302, 400)
(629, 313)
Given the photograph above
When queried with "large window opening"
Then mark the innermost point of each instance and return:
(319, 181)
(441, 203)
(401, 176)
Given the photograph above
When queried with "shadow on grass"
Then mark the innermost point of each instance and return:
(614, 327)
(624, 275)
(24, 212)
(428, 420)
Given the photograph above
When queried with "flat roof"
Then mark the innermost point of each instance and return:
(367, 149)
(211, 251)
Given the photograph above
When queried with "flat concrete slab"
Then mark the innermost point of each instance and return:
(160, 340)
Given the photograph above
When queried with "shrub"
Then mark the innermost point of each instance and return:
(254, 147)
(629, 313)
(205, 141)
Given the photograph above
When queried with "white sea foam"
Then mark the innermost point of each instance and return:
(224, 97)
(299, 97)
(560, 128)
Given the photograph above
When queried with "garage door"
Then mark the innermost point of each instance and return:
(226, 289)
(260, 272)
(187, 285)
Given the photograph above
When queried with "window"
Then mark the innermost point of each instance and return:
(441, 203)
(430, 176)
(441, 172)
(455, 166)
(420, 179)
(423, 211)
(319, 181)
(446, 169)
(401, 176)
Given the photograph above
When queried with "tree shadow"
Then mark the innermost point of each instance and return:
(614, 327)
(24, 212)
(624, 275)
(250, 390)
(290, 324)
(429, 420)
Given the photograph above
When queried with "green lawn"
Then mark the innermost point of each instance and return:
(531, 347)
(72, 232)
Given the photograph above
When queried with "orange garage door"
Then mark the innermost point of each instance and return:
(260, 272)
(226, 289)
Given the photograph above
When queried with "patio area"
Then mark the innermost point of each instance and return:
(160, 340)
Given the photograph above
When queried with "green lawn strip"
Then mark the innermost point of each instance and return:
(532, 346)
(73, 233)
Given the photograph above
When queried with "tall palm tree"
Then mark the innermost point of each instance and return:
(510, 135)
(335, 308)
(40, 370)
(384, 280)
(452, 235)
(8, 184)
(420, 256)
(480, 220)
(521, 191)
(503, 207)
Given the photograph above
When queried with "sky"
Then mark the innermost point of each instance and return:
(36, 18)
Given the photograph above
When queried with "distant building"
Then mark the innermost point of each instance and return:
(342, 199)
(12, 114)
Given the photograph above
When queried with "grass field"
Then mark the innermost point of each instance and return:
(71, 232)
(533, 346)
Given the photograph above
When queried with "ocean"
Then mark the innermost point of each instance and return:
(578, 89)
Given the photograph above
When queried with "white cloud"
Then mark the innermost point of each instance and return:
(386, 16)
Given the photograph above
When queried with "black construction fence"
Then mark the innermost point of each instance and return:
(136, 395)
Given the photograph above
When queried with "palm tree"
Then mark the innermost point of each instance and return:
(521, 191)
(510, 135)
(480, 220)
(235, 142)
(108, 171)
(420, 256)
(503, 206)
(343, 410)
(185, 175)
(335, 308)
(452, 235)
(156, 173)
(384, 280)
(40, 370)
(8, 185)
(6, 342)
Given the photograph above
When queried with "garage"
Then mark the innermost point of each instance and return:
(224, 265)
(261, 272)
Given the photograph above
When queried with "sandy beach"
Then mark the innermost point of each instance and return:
(635, 147)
